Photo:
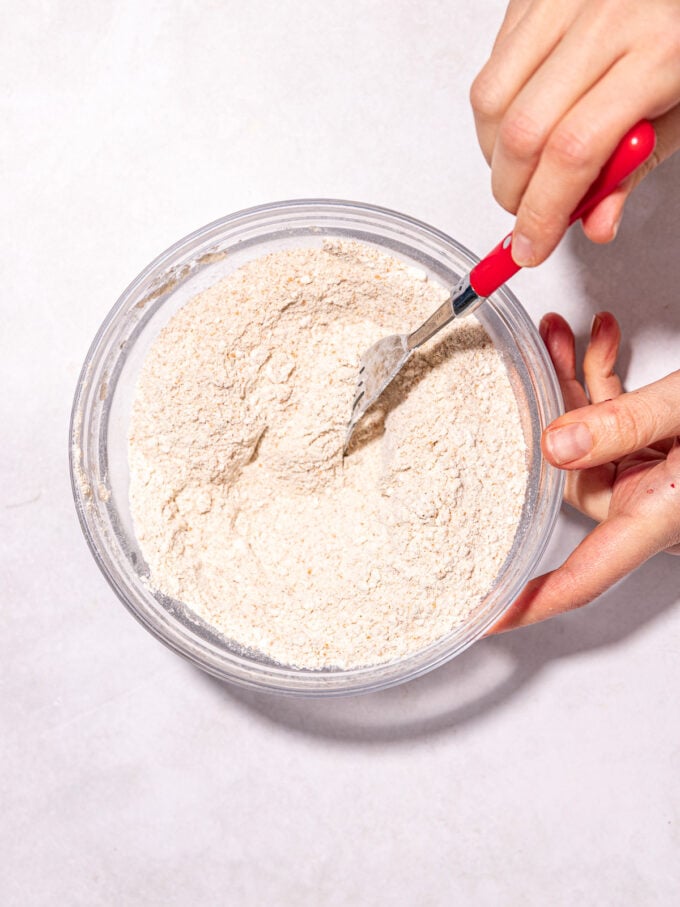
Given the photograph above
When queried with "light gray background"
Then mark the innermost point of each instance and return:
(540, 768)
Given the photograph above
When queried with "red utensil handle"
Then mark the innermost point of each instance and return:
(632, 151)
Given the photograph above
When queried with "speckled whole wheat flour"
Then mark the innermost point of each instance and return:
(243, 505)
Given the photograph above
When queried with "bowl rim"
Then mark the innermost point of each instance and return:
(261, 675)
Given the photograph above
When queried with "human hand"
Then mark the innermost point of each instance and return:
(566, 79)
(628, 481)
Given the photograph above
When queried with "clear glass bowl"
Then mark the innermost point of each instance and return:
(102, 406)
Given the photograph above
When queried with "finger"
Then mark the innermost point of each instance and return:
(578, 61)
(590, 490)
(602, 382)
(613, 549)
(601, 224)
(559, 339)
(515, 12)
(605, 431)
(528, 40)
(577, 149)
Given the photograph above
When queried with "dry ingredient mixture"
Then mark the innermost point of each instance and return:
(243, 504)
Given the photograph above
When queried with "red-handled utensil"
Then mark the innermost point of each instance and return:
(385, 359)
(632, 151)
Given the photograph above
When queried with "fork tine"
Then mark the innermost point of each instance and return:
(377, 367)
(357, 399)
(351, 425)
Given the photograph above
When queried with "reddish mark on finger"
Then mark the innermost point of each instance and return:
(672, 484)
(650, 491)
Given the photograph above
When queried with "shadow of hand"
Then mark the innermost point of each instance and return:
(638, 275)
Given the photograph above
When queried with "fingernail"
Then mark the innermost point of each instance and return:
(544, 328)
(617, 224)
(571, 442)
(595, 326)
(522, 250)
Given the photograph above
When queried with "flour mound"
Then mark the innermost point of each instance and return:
(246, 510)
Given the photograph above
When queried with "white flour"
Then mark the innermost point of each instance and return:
(243, 505)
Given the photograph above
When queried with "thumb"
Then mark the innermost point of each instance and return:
(592, 435)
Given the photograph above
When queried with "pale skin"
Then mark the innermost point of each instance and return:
(629, 482)
(565, 80)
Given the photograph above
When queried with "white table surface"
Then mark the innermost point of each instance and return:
(541, 767)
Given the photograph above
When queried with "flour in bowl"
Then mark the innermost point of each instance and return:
(246, 510)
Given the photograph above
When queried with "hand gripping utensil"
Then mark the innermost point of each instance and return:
(381, 363)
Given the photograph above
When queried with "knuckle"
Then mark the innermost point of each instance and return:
(569, 149)
(520, 135)
(486, 98)
(598, 364)
(632, 425)
(540, 223)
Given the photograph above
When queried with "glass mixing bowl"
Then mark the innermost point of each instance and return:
(103, 399)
